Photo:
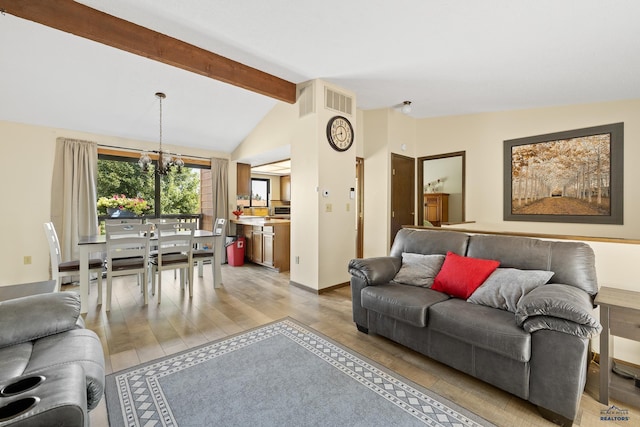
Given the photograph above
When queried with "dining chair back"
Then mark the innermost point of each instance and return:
(158, 220)
(127, 253)
(174, 251)
(200, 255)
(112, 221)
(60, 269)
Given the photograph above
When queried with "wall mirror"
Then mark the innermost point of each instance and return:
(442, 193)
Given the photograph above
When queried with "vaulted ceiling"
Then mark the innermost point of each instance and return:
(448, 58)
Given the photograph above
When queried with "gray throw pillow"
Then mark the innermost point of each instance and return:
(506, 286)
(418, 269)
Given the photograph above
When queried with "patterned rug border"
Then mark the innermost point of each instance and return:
(128, 385)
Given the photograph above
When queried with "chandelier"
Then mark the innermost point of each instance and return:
(166, 161)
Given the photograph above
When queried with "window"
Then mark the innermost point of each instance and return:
(149, 194)
(259, 192)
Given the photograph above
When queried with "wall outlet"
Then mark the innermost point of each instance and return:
(27, 259)
(297, 260)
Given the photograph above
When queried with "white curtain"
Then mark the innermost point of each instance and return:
(73, 193)
(220, 188)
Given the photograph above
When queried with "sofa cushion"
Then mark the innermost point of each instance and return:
(418, 269)
(408, 304)
(14, 360)
(506, 286)
(484, 327)
(428, 242)
(460, 275)
(572, 262)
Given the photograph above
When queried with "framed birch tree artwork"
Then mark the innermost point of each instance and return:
(573, 176)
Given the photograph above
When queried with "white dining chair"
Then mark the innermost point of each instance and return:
(112, 221)
(175, 251)
(201, 255)
(60, 269)
(127, 253)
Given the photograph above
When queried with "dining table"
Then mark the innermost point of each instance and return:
(98, 243)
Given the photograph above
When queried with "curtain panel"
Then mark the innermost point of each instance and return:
(74, 193)
(220, 189)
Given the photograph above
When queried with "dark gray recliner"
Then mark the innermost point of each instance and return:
(51, 366)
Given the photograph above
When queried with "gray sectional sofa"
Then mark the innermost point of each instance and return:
(51, 366)
(530, 339)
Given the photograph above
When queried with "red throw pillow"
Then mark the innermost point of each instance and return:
(460, 276)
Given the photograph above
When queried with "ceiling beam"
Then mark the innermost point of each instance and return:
(83, 21)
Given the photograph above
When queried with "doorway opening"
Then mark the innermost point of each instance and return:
(441, 189)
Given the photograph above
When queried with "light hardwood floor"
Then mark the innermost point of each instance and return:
(252, 296)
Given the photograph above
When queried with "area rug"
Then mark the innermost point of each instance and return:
(280, 374)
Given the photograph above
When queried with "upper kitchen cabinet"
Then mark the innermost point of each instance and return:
(244, 179)
(285, 188)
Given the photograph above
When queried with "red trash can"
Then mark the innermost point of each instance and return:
(235, 252)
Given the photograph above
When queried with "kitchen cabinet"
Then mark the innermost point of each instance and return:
(268, 256)
(247, 232)
(256, 244)
(243, 179)
(285, 188)
(267, 242)
(436, 208)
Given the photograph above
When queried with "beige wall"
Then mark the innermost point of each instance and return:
(320, 240)
(336, 174)
(482, 136)
(305, 169)
(28, 153)
(376, 183)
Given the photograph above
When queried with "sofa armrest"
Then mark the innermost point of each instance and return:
(375, 271)
(558, 307)
(538, 323)
(36, 316)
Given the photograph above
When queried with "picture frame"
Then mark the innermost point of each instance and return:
(573, 176)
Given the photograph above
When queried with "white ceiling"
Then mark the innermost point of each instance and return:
(447, 57)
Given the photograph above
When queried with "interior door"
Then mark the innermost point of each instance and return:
(402, 193)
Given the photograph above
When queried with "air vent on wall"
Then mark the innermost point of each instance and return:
(337, 101)
(305, 100)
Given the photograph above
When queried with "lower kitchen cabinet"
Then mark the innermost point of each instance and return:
(268, 257)
(267, 245)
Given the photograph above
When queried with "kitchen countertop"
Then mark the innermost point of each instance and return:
(260, 220)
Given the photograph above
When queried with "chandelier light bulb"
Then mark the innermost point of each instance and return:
(406, 107)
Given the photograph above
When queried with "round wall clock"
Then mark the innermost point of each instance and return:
(340, 133)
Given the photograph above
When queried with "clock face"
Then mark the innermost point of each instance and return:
(340, 133)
